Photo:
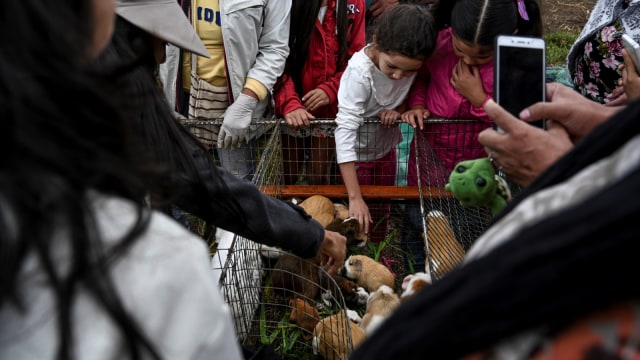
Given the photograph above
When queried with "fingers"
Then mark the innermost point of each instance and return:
(224, 140)
(409, 118)
(333, 251)
(315, 99)
(491, 140)
(501, 117)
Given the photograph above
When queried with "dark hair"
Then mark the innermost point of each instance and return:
(303, 20)
(166, 141)
(408, 30)
(62, 138)
(478, 22)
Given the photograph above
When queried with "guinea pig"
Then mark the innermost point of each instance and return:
(320, 208)
(367, 272)
(304, 315)
(413, 283)
(350, 228)
(330, 337)
(380, 305)
(446, 251)
(294, 276)
(352, 293)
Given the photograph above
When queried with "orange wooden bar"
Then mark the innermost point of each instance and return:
(368, 191)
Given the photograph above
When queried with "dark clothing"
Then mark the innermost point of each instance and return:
(269, 221)
(546, 276)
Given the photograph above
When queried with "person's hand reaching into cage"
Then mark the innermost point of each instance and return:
(333, 251)
(357, 207)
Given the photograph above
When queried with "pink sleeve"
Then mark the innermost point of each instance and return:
(418, 92)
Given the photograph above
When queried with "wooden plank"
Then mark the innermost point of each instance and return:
(368, 191)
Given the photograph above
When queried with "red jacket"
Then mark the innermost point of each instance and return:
(321, 70)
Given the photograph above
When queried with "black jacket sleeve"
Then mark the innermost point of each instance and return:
(266, 220)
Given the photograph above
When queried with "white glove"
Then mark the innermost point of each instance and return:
(236, 121)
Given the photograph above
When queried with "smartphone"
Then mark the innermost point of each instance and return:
(633, 49)
(519, 73)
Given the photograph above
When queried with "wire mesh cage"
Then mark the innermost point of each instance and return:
(280, 300)
(405, 194)
(448, 228)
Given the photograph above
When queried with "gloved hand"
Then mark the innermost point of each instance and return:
(236, 122)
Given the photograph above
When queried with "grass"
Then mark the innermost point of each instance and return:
(558, 45)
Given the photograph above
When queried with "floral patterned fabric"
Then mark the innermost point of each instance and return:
(595, 56)
(597, 70)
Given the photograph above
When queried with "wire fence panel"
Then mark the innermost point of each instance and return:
(418, 226)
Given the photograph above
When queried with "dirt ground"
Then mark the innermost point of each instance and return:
(565, 15)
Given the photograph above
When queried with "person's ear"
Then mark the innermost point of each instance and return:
(373, 39)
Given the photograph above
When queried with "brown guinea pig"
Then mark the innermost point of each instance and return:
(330, 337)
(304, 315)
(367, 272)
(296, 277)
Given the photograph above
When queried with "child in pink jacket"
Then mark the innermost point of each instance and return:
(459, 83)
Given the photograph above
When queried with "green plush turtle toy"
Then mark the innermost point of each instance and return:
(475, 183)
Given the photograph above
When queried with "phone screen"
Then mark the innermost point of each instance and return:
(520, 80)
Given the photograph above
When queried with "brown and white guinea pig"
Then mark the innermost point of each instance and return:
(380, 305)
(330, 336)
(352, 293)
(294, 276)
(350, 228)
(413, 283)
(367, 272)
(320, 208)
(446, 251)
(304, 315)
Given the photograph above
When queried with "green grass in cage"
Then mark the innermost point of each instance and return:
(287, 339)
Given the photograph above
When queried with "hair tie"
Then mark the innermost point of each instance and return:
(522, 10)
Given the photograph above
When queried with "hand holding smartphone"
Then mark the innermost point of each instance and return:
(519, 73)
(633, 49)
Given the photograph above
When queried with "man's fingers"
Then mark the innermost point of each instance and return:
(552, 88)
(501, 117)
(490, 139)
(544, 110)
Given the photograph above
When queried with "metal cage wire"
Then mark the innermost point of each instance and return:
(440, 228)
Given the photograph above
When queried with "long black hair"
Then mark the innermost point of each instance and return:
(62, 137)
(167, 141)
(304, 14)
(477, 22)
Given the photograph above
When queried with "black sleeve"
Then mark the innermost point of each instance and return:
(265, 219)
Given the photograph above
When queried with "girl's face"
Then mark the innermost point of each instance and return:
(396, 66)
(103, 22)
(471, 55)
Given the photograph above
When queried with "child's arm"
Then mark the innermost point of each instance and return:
(353, 95)
(468, 81)
(357, 207)
(417, 100)
(289, 105)
(356, 41)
